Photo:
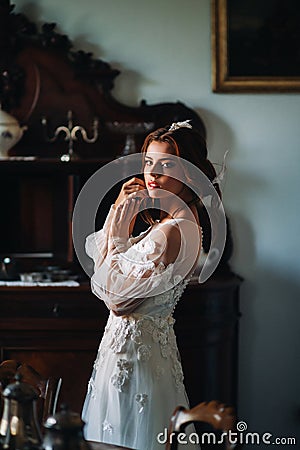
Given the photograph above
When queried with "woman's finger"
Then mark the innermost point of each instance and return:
(135, 180)
(138, 194)
(134, 183)
(118, 211)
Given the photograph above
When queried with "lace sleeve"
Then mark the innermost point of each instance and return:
(131, 273)
(96, 243)
(126, 278)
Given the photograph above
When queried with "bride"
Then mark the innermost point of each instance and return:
(137, 379)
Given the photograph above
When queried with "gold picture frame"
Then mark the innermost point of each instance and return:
(235, 68)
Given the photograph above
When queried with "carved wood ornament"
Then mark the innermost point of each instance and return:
(42, 75)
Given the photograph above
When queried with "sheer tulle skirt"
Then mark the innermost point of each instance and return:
(133, 392)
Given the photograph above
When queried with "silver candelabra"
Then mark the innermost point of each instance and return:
(70, 132)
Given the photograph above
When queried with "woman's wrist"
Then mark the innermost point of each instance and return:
(120, 244)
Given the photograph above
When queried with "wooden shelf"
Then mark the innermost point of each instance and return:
(51, 165)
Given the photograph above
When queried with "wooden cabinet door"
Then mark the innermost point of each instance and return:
(55, 331)
(58, 332)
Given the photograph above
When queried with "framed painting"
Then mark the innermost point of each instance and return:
(255, 46)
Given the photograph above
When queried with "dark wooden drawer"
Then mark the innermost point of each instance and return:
(55, 302)
(58, 330)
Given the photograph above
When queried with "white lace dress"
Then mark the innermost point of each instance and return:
(137, 379)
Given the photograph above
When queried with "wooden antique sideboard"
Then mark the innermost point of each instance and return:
(57, 329)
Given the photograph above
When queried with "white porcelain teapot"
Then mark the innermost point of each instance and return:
(10, 132)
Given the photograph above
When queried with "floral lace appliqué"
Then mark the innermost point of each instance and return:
(172, 296)
(145, 246)
(120, 378)
(161, 330)
(106, 426)
(141, 399)
(120, 331)
(92, 388)
(126, 329)
(159, 372)
(119, 337)
(140, 258)
(144, 353)
(178, 374)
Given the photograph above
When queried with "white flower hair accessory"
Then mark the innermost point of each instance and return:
(177, 125)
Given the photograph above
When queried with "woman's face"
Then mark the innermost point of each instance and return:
(162, 171)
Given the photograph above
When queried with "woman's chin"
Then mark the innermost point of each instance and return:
(157, 193)
(153, 193)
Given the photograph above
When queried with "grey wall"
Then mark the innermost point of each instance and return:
(162, 48)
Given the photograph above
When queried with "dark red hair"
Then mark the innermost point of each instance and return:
(189, 144)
